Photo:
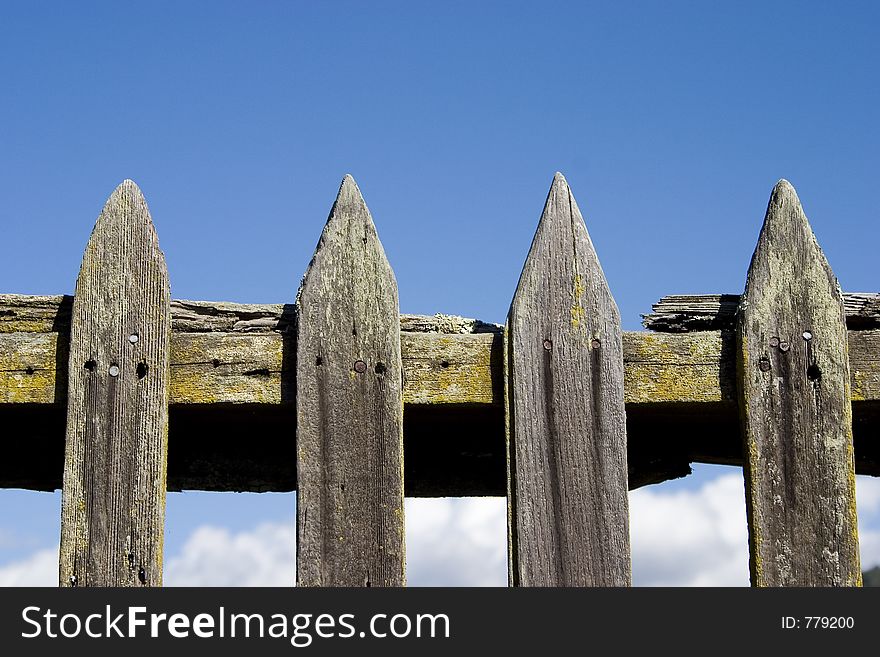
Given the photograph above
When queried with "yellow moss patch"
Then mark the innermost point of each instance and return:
(577, 310)
(653, 382)
(449, 369)
(193, 385)
(858, 385)
(26, 326)
(19, 387)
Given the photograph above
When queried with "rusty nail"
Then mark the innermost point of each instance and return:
(774, 342)
(764, 364)
(548, 345)
(783, 346)
(360, 366)
(596, 343)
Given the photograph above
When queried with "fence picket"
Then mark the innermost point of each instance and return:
(350, 526)
(567, 467)
(113, 508)
(783, 350)
(795, 407)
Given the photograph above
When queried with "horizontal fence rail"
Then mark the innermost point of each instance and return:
(118, 394)
(232, 387)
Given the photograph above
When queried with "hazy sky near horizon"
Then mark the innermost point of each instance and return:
(671, 121)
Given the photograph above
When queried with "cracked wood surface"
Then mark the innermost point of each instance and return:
(349, 408)
(679, 388)
(683, 313)
(796, 409)
(568, 518)
(113, 501)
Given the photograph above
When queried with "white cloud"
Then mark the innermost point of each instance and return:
(456, 542)
(39, 569)
(690, 537)
(868, 505)
(7, 538)
(869, 544)
(868, 495)
(449, 542)
(700, 537)
(214, 556)
(679, 538)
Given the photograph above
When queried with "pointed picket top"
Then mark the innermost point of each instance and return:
(349, 407)
(795, 407)
(124, 211)
(567, 473)
(350, 198)
(562, 226)
(126, 205)
(349, 226)
(786, 224)
(113, 503)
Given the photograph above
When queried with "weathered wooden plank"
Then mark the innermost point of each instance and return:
(113, 508)
(21, 313)
(450, 368)
(864, 353)
(796, 412)
(349, 403)
(567, 466)
(680, 392)
(681, 313)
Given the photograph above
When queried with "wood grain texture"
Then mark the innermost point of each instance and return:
(567, 492)
(113, 508)
(680, 393)
(22, 313)
(795, 406)
(350, 528)
(678, 313)
(230, 394)
(686, 313)
(226, 353)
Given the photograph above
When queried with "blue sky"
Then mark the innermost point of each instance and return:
(671, 121)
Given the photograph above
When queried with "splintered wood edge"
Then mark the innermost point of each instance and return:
(21, 313)
(686, 313)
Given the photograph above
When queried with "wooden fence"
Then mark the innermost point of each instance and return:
(354, 405)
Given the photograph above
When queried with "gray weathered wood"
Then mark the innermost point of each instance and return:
(795, 405)
(228, 353)
(22, 313)
(675, 313)
(113, 508)
(685, 313)
(230, 394)
(567, 466)
(350, 527)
